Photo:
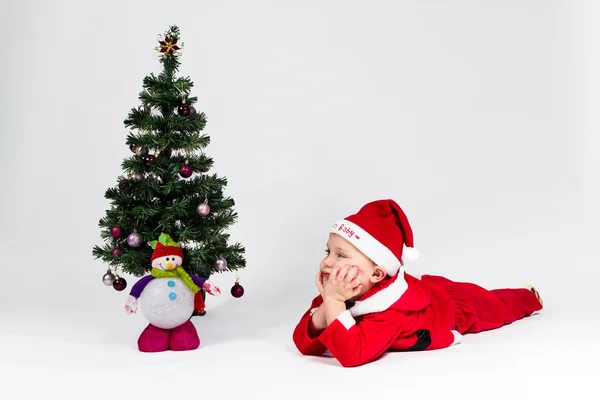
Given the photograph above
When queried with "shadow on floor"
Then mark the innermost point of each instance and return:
(260, 316)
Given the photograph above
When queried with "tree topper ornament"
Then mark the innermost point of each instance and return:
(167, 300)
(168, 45)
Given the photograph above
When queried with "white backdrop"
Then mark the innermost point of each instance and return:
(479, 118)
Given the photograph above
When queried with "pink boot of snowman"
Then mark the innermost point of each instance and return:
(153, 339)
(184, 337)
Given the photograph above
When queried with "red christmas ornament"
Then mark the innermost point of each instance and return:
(184, 110)
(116, 252)
(185, 171)
(149, 159)
(119, 284)
(116, 232)
(237, 290)
(123, 185)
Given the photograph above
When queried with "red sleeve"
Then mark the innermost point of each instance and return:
(306, 337)
(347, 340)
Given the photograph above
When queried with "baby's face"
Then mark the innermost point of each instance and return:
(340, 252)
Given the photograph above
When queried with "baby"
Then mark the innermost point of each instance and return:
(369, 305)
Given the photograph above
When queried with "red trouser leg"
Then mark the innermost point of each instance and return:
(480, 309)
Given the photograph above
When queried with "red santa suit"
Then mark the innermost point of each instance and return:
(404, 313)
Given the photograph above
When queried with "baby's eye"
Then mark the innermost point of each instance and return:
(341, 255)
(327, 251)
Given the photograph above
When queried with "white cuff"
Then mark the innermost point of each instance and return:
(457, 337)
(313, 311)
(346, 319)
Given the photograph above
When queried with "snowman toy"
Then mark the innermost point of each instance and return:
(167, 300)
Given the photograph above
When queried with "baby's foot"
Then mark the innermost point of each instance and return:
(536, 293)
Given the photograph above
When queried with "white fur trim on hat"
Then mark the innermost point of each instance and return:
(368, 245)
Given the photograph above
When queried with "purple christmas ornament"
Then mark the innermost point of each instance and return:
(203, 209)
(134, 239)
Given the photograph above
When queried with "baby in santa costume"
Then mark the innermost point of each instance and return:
(368, 304)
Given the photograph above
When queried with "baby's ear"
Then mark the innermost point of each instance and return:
(379, 274)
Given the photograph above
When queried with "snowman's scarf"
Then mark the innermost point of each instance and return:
(177, 273)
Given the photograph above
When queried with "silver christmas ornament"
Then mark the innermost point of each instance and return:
(220, 264)
(142, 151)
(108, 278)
(134, 239)
(138, 177)
(140, 274)
(203, 209)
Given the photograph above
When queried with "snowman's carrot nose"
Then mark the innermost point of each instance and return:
(169, 266)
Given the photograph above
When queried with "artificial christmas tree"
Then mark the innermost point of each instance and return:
(166, 187)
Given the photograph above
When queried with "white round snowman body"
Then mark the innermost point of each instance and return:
(167, 302)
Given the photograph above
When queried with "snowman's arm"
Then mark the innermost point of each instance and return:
(197, 280)
(206, 285)
(138, 288)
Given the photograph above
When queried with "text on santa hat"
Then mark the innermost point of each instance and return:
(345, 229)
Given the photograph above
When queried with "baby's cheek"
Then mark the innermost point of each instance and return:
(364, 278)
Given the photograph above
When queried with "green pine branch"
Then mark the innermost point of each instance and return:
(165, 125)
(190, 142)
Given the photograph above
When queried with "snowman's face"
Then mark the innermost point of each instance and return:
(167, 263)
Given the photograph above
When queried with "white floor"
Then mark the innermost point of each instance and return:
(246, 352)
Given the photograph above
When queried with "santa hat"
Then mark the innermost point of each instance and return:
(380, 230)
(165, 246)
(170, 250)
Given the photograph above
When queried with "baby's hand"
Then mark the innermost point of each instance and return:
(343, 283)
(319, 282)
